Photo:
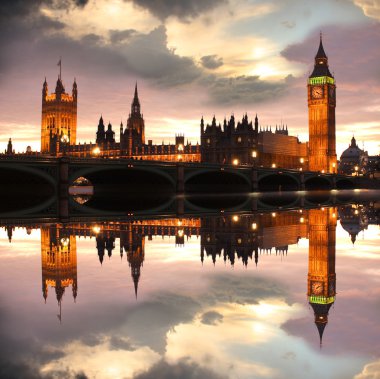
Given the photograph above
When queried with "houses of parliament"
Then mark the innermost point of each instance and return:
(237, 142)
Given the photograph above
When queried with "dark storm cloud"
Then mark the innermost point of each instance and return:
(149, 322)
(181, 9)
(211, 61)
(245, 90)
(180, 370)
(20, 8)
(149, 56)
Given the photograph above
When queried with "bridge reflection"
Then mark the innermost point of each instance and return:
(232, 238)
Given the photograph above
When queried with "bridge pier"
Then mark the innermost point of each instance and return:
(302, 178)
(63, 188)
(334, 182)
(180, 178)
(254, 204)
(254, 180)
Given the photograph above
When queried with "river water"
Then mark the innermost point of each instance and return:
(285, 294)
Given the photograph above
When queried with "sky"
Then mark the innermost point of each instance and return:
(190, 59)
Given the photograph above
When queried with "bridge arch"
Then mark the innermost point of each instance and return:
(216, 181)
(93, 171)
(345, 183)
(47, 174)
(318, 183)
(275, 181)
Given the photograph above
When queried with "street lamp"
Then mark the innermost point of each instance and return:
(235, 162)
(273, 165)
(356, 170)
(96, 151)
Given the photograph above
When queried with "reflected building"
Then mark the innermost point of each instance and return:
(134, 246)
(58, 261)
(321, 279)
(245, 237)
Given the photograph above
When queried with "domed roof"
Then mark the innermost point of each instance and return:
(353, 150)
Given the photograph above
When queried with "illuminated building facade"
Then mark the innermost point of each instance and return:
(131, 144)
(59, 117)
(245, 142)
(321, 97)
(321, 278)
(58, 261)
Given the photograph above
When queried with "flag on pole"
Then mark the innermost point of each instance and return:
(60, 68)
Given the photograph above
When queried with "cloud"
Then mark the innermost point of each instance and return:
(21, 8)
(370, 371)
(211, 318)
(121, 36)
(179, 370)
(183, 10)
(245, 90)
(289, 24)
(211, 61)
(149, 56)
(371, 8)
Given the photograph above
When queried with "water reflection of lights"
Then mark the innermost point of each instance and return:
(64, 242)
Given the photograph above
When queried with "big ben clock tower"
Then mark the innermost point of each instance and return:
(321, 277)
(321, 95)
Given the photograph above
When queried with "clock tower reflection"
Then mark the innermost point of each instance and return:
(321, 276)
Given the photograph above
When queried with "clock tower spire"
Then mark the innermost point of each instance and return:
(321, 102)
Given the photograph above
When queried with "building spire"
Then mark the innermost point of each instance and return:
(135, 109)
(321, 66)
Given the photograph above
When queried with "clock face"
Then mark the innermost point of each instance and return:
(317, 92)
(316, 288)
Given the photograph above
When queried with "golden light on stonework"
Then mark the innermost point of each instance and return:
(65, 138)
(180, 233)
(96, 229)
(96, 151)
(302, 220)
(179, 157)
(180, 147)
(302, 160)
(64, 242)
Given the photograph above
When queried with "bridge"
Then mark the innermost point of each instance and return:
(54, 176)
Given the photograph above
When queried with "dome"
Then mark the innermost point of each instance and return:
(353, 151)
